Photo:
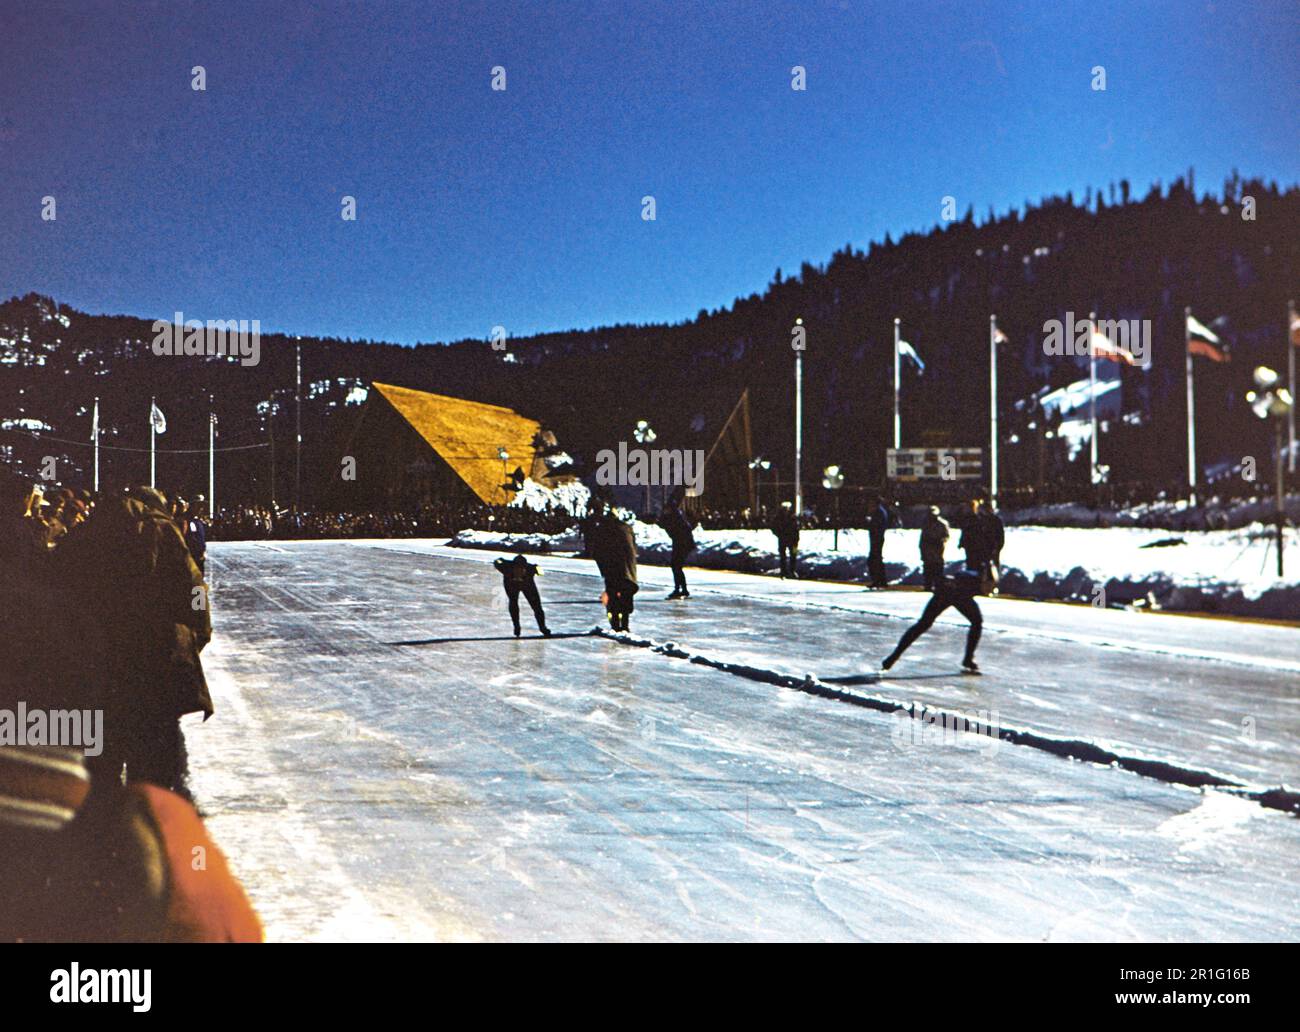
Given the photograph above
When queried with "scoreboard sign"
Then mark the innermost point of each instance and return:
(911, 464)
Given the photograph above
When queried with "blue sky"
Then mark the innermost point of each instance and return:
(523, 208)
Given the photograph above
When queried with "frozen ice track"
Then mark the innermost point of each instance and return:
(1277, 797)
(580, 789)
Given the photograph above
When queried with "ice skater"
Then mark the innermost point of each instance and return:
(520, 576)
(959, 592)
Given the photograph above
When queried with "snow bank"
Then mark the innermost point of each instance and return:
(571, 497)
(505, 542)
(1230, 571)
(1171, 515)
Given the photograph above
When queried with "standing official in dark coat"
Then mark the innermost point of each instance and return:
(613, 547)
(878, 521)
(982, 539)
(196, 535)
(934, 539)
(785, 525)
(678, 525)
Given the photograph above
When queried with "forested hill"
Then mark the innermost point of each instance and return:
(1124, 257)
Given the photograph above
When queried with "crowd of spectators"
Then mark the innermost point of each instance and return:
(105, 611)
(435, 520)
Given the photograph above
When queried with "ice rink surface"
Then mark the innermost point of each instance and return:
(388, 762)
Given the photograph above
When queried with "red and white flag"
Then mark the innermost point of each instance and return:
(1102, 346)
(1203, 341)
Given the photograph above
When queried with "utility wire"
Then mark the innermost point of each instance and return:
(118, 447)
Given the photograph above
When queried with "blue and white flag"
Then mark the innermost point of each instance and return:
(906, 349)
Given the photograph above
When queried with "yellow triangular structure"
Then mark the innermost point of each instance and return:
(467, 436)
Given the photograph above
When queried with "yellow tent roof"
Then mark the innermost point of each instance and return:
(467, 434)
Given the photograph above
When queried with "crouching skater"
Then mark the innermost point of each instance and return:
(959, 592)
(520, 576)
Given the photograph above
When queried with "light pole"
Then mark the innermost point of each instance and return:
(297, 446)
(643, 434)
(833, 480)
(798, 428)
(1273, 401)
(270, 436)
(212, 460)
(94, 433)
(504, 456)
(995, 335)
(1092, 405)
(898, 426)
(758, 464)
(1293, 342)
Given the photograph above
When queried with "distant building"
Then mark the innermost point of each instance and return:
(1071, 404)
(410, 448)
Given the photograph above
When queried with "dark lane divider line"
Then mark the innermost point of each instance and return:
(1275, 798)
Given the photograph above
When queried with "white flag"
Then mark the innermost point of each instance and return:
(157, 419)
(1196, 328)
(905, 348)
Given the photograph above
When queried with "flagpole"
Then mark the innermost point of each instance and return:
(212, 466)
(798, 432)
(153, 401)
(270, 436)
(297, 454)
(993, 408)
(1191, 407)
(95, 434)
(1291, 346)
(898, 432)
(1092, 394)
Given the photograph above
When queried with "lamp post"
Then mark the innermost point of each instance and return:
(643, 434)
(758, 464)
(1273, 401)
(504, 456)
(833, 480)
(270, 436)
(212, 460)
(898, 426)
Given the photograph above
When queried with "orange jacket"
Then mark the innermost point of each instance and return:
(205, 902)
